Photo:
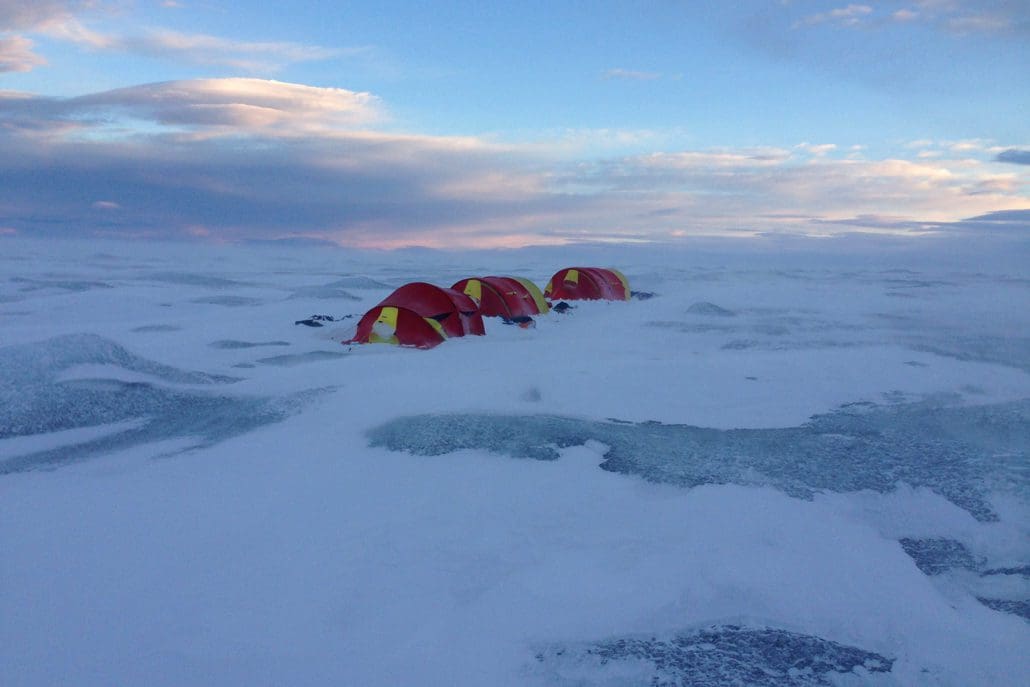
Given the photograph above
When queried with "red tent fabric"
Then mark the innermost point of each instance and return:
(505, 297)
(588, 283)
(457, 313)
(401, 326)
(421, 315)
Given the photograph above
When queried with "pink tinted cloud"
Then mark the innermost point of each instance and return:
(68, 20)
(16, 54)
(239, 104)
(18, 15)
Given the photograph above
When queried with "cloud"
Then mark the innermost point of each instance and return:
(999, 17)
(1005, 223)
(905, 15)
(723, 188)
(200, 48)
(303, 170)
(629, 75)
(249, 159)
(902, 47)
(717, 158)
(18, 15)
(1014, 156)
(852, 15)
(239, 103)
(818, 150)
(971, 145)
(967, 148)
(996, 17)
(1018, 218)
(62, 20)
(16, 55)
(209, 106)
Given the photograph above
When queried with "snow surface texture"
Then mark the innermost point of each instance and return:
(117, 387)
(960, 453)
(721, 656)
(814, 470)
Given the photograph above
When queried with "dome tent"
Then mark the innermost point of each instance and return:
(421, 315)
(588, 283)
(507, 297)
(399, 326)
(457, 313)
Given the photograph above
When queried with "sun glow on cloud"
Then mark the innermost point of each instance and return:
(395, 190)
(319, 168)
(240, 104)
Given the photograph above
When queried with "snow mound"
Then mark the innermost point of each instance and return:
(25, 365)
(709, 309)
(227, 301)
(358, 282)
(1011, 351)
(72, 285)
(333, 291)
(235, 344)
(192, 279)
(155, 328)
(289, 360)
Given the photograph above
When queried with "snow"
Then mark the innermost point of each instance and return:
(827, 487)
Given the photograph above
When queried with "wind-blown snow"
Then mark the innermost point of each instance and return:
(801, 467)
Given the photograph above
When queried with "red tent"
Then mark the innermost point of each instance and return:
(588, 283)
(401, 326)
(507, 297)
(456, 312)
(421, 315)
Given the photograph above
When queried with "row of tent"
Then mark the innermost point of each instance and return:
(423, 315)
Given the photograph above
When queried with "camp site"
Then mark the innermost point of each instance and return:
(514, 344)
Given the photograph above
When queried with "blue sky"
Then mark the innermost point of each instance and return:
(479, 124)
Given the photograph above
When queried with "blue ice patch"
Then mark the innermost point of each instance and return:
(961, 452)
(35, 400)
(716, 656)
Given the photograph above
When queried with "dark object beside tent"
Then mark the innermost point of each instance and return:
(588, 283)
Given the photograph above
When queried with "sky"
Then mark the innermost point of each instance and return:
(483, 124)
